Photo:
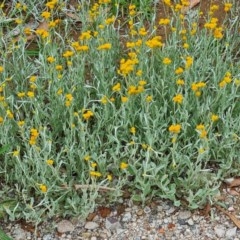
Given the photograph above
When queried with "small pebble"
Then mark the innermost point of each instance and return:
(127, 217)
(190, 222)
(91, 225)
(147, 209)
(219, 231)
(139, 212)
(230, 233)
(184, 215)
(65, 226)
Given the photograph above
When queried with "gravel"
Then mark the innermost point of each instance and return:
(160, 220)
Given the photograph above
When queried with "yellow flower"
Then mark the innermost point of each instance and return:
(34, 132)
(59, 67)
(109, 177)
(27, 31)
(110, 20)
(79, 47)
(180, 82)
(15, 153)
(167, 61)
(178, 98)
(133, 130)
(10, 114)
(142, 82)
(95, 174)
(18, 21)
(200, 127)
(42, 32)
(68, 54)
(87, 158)
(222, 84)
(175, 128)
(218, 33)
(116, 87)
(214, 7)
(43, 188)
(93, 164)
(149, 98)
(51, 59)
(203, 134)
(87, 114)
(30, 94)
(49, 162)
(123, 165)
(46, 15)
(105, 46)
(186, 45)
(154, 42)
(167, 2)
(189, 62)
(32, 79)
(124, 99)
(179, 70)
(164, 21)
(142, 31)
(132, 9)
(51, 4)
(59, 91)
(214, 117)
(104, 100)
(1, 69)
(227, 7)
(85, 35)
(1, 120)
(237, 82)
(139, 73)
(20, 123)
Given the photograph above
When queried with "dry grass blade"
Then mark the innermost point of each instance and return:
(231, 216)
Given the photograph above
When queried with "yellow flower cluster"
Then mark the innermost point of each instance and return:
(77, 47)
(95, 174)
(85, 35)
(216, 31)
(196, 87)
(116, 87)
(202, 131)
(132, 9)
(105, 46)
(154, 42)
(227, 79)
(69, 99)
(178, 98)
(33, 136)
(51, 4)
(164, 21)
(127, 65)
(227, 7)
(87, 114)
(188, 62)
(133, 90)
(133, 44)
(42, 33)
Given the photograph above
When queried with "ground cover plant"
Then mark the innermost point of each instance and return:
(102, 97)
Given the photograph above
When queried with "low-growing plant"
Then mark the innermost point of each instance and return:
(88, 112)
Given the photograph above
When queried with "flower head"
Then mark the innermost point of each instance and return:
(175, 128)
